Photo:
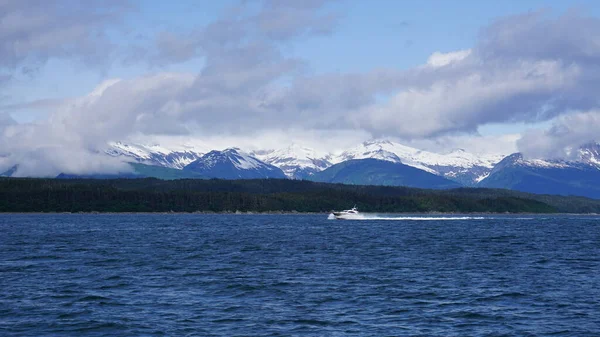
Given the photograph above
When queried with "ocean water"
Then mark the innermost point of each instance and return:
(298, 275)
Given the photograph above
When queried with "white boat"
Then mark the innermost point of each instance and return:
(346, 214)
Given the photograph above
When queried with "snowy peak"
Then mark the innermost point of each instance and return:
(297, 162)
(232, 163)
(543, 176)
(590, 154)
(415, 157)
(370, 150)
(586, 156)
(457, 165)
(153, 154)
(300, 163)
(518, 160)
(235, 156)
(510, 160)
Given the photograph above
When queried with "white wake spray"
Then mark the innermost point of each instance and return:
(405, 218)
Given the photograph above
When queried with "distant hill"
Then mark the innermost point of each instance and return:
(151, 171)
(381, 172)
(139, 171)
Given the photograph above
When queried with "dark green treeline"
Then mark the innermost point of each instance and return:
(191, 195)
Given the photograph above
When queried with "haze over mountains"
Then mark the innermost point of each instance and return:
(379, 162)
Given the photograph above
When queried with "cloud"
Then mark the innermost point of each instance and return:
(48, 149)
(48, 161)
(242, 61)
(173, 48)
(239, 31)
(248, 83)
(461, 99)
(33, 31)
(479, 144)
(527, 68)
(6, 121)
(438, 59)
(567, 132)
(282, 20)
(331, 140)
(75, 134)
(570, 37)
(42, 104)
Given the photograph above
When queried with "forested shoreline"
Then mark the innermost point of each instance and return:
(266, 195)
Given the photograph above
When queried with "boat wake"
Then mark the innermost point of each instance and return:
(363, 216)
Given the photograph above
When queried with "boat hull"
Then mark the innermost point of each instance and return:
(346, 214)
(352, 216)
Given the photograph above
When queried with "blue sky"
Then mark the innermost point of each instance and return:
(492, 76)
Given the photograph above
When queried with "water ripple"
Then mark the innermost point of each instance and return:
(220, 275)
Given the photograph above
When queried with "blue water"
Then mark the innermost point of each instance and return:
(288, 275)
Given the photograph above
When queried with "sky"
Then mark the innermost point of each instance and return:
(486, 76)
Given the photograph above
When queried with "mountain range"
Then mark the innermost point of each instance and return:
(575, 177)
(298, 162)
(233, 164)
(154, 155)
(458, 165)
(378, 162)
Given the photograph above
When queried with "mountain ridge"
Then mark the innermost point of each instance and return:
(579, 176)
(370, 171)
(232, 163)
(153, 154)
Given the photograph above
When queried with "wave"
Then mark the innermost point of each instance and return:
(405, 218)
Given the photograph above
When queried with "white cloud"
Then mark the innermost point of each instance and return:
(524, 91)
(439, 59)
(33, 31)
(473, 143)
(567, 132)
(50, 161)
(324, 141)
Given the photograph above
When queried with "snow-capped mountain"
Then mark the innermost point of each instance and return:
(370, 171)
(517, 160)
(579, 176)
(153, 154)
(586, 156)
(589, 154)
(297, 162)
(232, 163)
(458, 165)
